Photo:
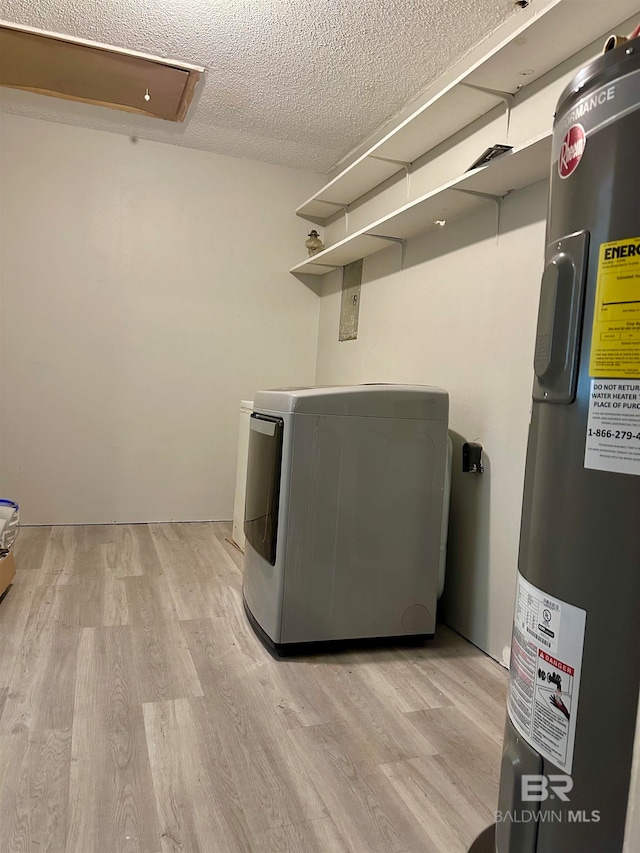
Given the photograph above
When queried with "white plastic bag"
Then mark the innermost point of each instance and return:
(9, 525)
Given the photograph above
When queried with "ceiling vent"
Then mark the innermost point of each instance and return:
(78, 70)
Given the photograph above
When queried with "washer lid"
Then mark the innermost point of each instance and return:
(417, 402)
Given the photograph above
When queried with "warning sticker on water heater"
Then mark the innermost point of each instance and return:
(615, 343)
(544, 675)
(613, 428)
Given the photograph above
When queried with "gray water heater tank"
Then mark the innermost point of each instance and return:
(575, 658)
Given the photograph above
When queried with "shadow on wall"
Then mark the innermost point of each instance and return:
(313, 282)
(466, 593)
(477, 226)
(331, 284)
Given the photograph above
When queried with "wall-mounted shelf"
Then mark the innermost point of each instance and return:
(532, 41)
(518, 169)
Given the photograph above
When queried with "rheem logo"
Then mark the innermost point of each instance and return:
(571, 150)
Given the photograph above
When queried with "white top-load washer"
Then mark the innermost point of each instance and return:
(346, 490)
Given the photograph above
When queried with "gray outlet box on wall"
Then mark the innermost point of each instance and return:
(350, 305)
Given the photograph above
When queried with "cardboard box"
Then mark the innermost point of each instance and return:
(7, 572)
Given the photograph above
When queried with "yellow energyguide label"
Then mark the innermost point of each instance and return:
(615, 343)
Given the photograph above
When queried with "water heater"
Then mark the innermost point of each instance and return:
(575, 654)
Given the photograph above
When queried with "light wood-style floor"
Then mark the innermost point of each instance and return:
(138, 712)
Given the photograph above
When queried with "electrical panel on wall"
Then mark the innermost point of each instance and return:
(78, 70)
(350, 305)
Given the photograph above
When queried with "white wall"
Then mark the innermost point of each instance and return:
(144, 293)
(460, 315)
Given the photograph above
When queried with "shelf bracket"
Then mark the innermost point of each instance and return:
(404, 164)
(488, 196)
(507, 97)
(340, 204)
(342, 207)
(400, 241)
(328, 266)
(497, 199)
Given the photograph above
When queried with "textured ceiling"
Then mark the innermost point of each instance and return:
(295, 82)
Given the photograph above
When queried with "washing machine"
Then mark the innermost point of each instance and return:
(345, 516)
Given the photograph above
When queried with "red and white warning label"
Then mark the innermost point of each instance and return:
(552, 705)
(544, 676)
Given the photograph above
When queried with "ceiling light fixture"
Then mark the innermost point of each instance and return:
(147, 96)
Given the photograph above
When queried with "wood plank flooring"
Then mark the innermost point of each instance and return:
(139, 714)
